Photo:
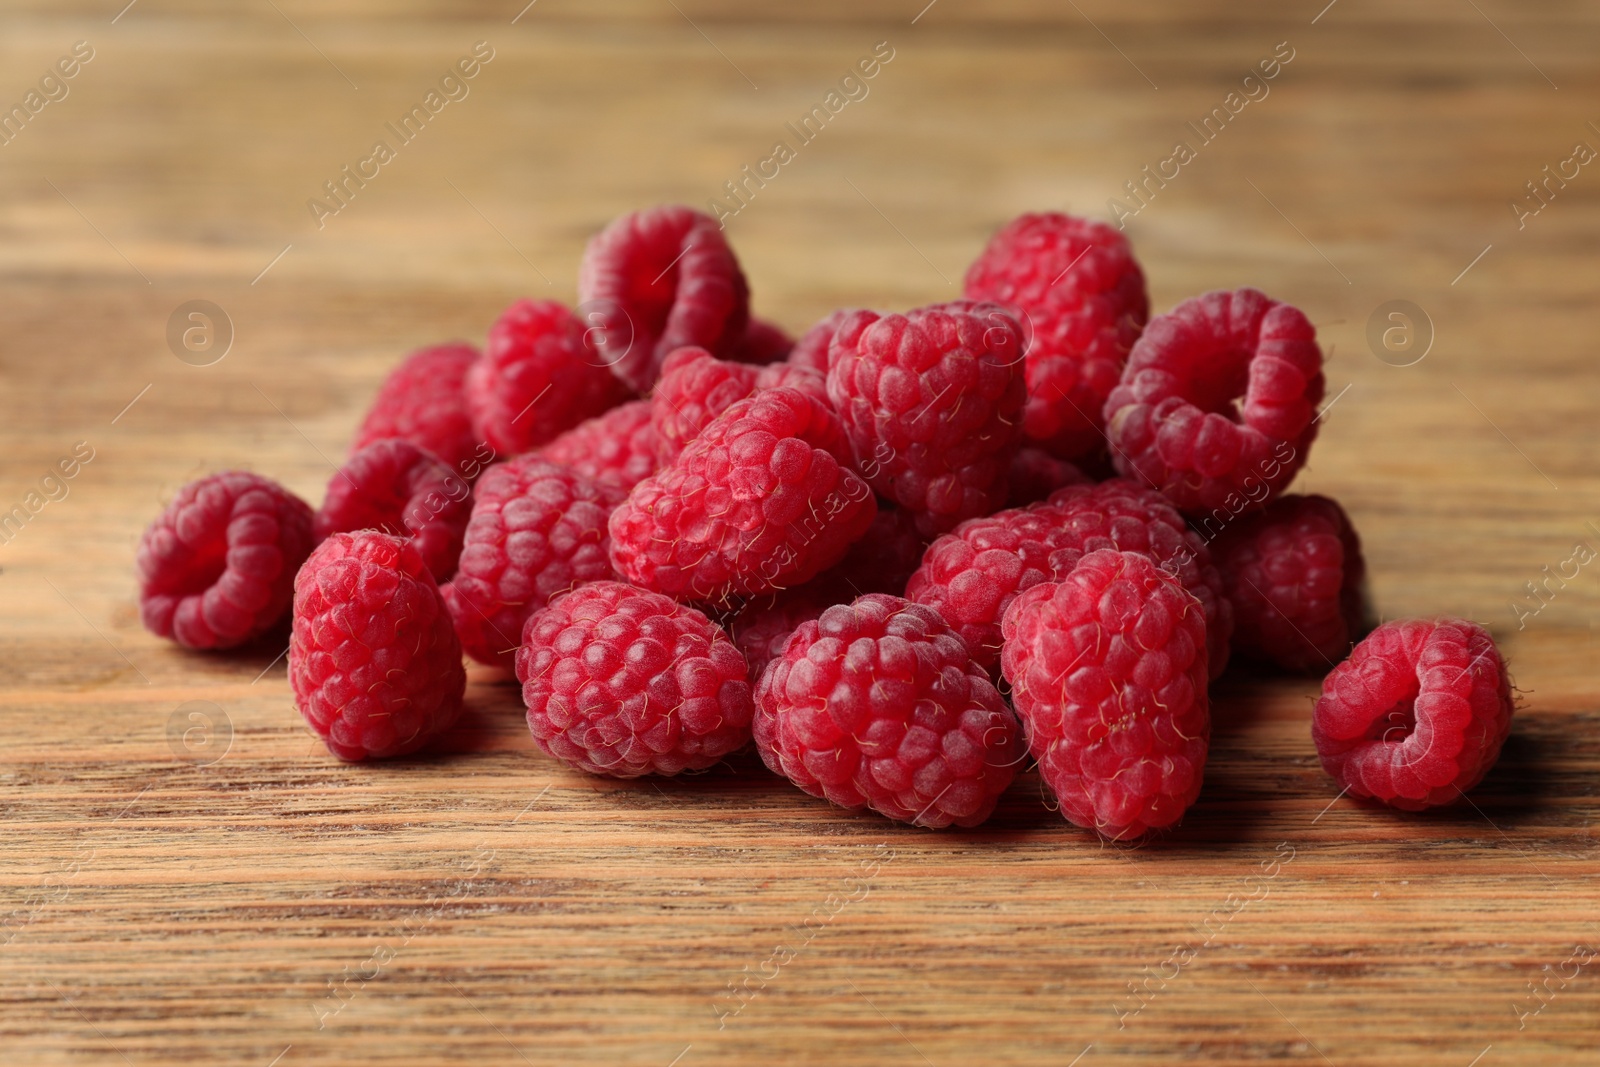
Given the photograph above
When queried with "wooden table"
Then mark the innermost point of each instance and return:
(220, 890)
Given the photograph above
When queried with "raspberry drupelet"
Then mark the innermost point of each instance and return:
(619, 447)
(394, 486)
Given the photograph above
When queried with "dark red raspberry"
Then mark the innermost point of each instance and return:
(1293, 572)
(619, 447)
(761, 344)
(537, 378)
(1417, 714)
(878, 704)
(972, 574)
(1078, 283)
(932, 402)
(373, 662)
(655, 281)
(1108, 672)
(424, 401)
(1035, 474)
(536, 530)
(394, 486)
(759, 501)
(695, 387)
(217, 567)
(622, 681)
(812, 348)
(1218, 402)
(885, 557)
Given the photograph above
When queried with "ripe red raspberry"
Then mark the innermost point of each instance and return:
(618, 447)
(759, 501)
(622, 681)
(217, 567)
(971, 575)
(1078, 282)
(373, 661)
(695, 387)
(1218, 402)
(932, 403)
(878, 704)
(536, 378)
(655, 281)
(536, 530)
(763, 626)
(394, 486)
(424, 401)
(1293, 574)
(812, 348)
(1035, 474)
(1108, 672)
(761, 344)
(1417, 714)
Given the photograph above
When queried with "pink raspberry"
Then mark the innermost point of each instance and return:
(217, 567)
(619, 447)
(1078, 282)
(1035, 474)
(394, 486)
(621, 681)
(759, 501)
(373, 661)
(1293, 573)
(424, 401)
(971, 575)
(1218, 402)
(878, 704)
(537, 378)
(695, 387)
(932, 402)
(1108, 672)
(655, 281)
(1417, 714)
(536, 530)
(812, 348)
(761, 344)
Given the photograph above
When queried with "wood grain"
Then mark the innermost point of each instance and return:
(483, 904)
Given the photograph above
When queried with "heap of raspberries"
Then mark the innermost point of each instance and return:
(909, 557)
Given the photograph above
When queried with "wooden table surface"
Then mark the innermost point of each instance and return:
(188, 876)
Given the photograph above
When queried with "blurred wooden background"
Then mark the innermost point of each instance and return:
(228, 893)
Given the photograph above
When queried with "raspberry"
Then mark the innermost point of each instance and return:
(655, 281)
(761, 344)
(1035, 474)
(618, 447)
(1417, 714)
(932, 402)
(763, 627)
(536, 378)
(878, 704)
(885, 557)
(536, 530)
(971, 575)
(217, 567)
(1108, 672)
(757, 502)
(812, 348)
(1217, 403)
(1078, 282)
(1293, 573)
(424, 401)
(394, 486)
(373, 662)
(621, 681)
(695, 387)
